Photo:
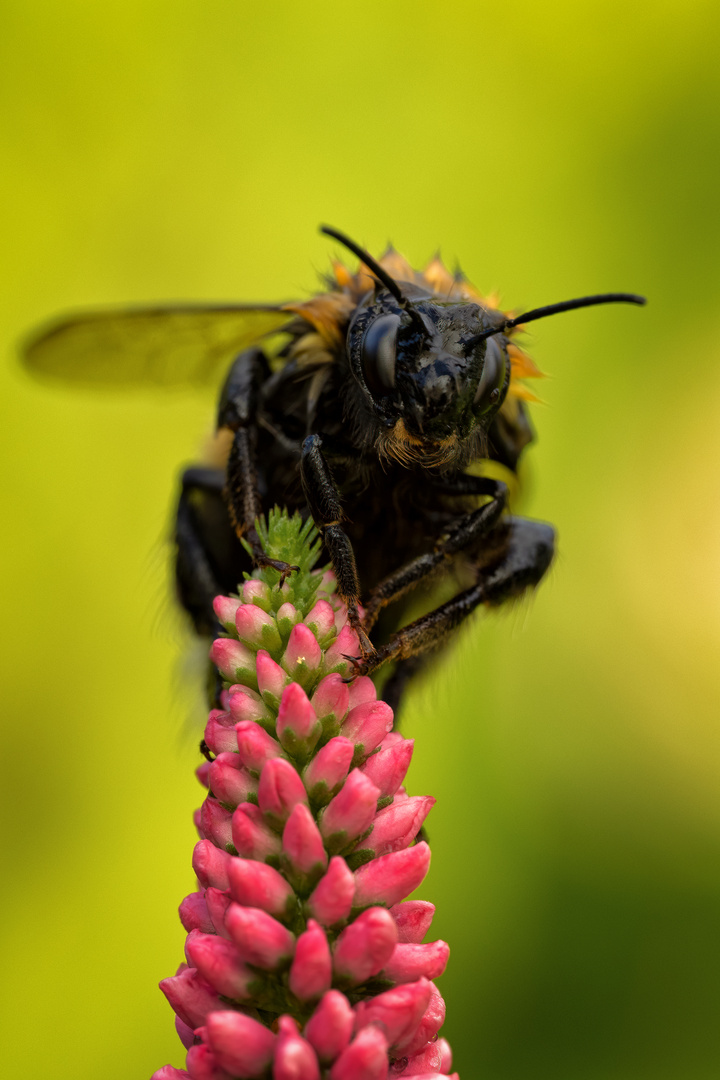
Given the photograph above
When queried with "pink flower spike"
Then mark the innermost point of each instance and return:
(389, 766)
(329, 1028)
(241, 1045)
(365, 946)
(252, 837)
(364, 1059)
(311, 969)
(256, 592)
(191, 996)
(271, 679)
(202, 1064)
(211, 865)
(220, 732)
(234, 661)
(302, 843)
(280, 789)
(225, 608)
(295, 1058)
(321, 620)
(432, 1020)
(169, 1072)
(256, 884)
(332, 899)
(399, 1012)
(298, 727)
(411, 962)
(345, 644)
(331, 702)
(255, 746)
(261, 940)
(362, 690)
(350, 813)
(219, 962)
(395, 827)
(194, 914)
(302, 655)
(215, 823)
(390, 878)
(367, 725)
(217, 905)
(413, 919)
(229, 782)
(328, 769)
(257, 629)
(245, 705)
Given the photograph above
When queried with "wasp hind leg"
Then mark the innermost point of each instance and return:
(526, 557)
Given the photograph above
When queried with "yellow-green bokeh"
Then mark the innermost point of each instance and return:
(189, 150)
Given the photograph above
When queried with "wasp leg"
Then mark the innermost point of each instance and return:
(238, 411)
(324, 501)
(461, 535)
(195, 577)
(527, 555)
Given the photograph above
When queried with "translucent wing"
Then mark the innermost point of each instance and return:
(174, 345)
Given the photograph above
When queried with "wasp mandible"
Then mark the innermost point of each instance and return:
(369, 407)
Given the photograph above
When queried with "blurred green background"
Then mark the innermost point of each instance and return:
(189, 150)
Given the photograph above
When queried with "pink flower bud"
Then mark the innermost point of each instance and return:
(395, 827)
(311, 970)
(225, 608)
(256, 884)
(242, 1045)
(321, 620)
(431, 1022)
(328, 769)
(230, 783)
(217, 905)
(219, 962)
(280, 789)
(302, 655)
(331, 702)
(350, 813)
(295, 1059)
(431, 1059)
(234, 661)
(411, 962)
(245, 705)
(255, 746)
(302, 842)
(445, 1056)
(271, 679)
(364, 1059)
(202, 1064)
(413, 919)
(367, 725)
(330, 1026)
(202, 773)
(391, 877)
(257, 629)
(287, 616)
(398, 1012)
(298, 727)
(345, 644)
(191, 996)
(252, 837)
(332, 899)
(194, 914)
(215, 823)
(389, 766)
(365, 946)
(256, 592)
(361, 690)
(261, 940)
(211, 865)
(220, 732)
(169, 1072)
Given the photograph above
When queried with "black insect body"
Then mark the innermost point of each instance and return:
(371, 407)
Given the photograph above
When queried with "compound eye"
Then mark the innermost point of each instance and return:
(379, 352)
(492, 378)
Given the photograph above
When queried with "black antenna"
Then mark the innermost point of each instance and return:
(390, 284)
(556, 309)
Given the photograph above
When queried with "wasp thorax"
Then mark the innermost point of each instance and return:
(415, 366)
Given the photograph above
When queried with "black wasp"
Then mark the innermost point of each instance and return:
(372, 406)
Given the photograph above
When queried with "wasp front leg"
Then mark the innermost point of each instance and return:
(323, 499)
(527, 555)
(237, 412)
